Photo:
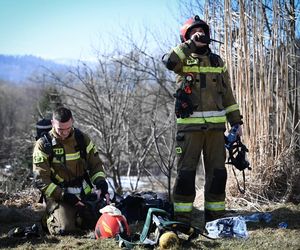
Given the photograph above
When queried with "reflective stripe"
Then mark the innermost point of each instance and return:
(74, 190)
(86, 187)
(72, 157)
(56, 176)
(232, 108)
(179, 53)
(208, 113)
(198, 69)
(90, 147)
(183, 207)
(55, 160)
(98, 174)
(50, 189)
(214, 206)
(199, 120)
(43, 126)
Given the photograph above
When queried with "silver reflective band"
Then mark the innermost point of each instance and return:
(74, 190)
(208, 113)
(43, 126)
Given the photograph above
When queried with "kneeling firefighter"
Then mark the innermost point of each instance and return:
(204, 102)
(67, 168)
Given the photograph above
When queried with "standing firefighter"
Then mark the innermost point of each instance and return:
(67, 167)
(204, 101)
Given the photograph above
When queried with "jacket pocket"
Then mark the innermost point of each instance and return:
(218, 90)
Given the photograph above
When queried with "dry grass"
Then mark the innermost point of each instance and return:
(262, 235)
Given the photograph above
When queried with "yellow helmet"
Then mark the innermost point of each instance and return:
(168, 240)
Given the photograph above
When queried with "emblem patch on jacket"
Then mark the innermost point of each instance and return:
(191, 61)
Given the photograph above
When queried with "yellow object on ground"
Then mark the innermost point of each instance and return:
(168, 240)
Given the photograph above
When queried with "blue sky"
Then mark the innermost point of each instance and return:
(58, 29)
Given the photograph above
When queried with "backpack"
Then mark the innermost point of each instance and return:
(135, 206)
(42, 127)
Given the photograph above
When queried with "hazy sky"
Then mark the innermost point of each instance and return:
(57, 29)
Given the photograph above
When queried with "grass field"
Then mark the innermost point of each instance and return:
(23, 211)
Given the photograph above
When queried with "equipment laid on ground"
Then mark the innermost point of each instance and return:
(135, 206)
(111, 223)
(158, 224)
(27, 232)
(237, 154)
(227, 228)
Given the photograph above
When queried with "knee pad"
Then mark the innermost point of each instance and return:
(218, 183)
(185, 183)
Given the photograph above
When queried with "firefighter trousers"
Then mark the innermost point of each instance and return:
(189, 146)
(65, 219)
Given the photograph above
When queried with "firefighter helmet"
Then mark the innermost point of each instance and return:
(192, 23)
(108, 226)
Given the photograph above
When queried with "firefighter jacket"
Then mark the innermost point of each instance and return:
(211, 93)
(62, 169)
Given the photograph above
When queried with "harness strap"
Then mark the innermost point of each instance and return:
(242, 191)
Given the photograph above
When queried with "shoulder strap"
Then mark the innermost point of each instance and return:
(81, 146)
(47, 144)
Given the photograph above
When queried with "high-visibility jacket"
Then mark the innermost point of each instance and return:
(211, 94)
(64, 169)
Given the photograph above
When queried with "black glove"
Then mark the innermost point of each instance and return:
(183, 105)
(71, 199)
(103, 186)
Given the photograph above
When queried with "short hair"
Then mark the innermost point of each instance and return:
(62, 114)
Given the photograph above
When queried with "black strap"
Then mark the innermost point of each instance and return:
(81, 146)
(242, 191)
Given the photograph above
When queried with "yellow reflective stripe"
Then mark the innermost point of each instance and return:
(98, 174)
(56, 160)
(72, 157)
(214, 206)
(198, 69)
(199, 120)
(232, 108)
(50, 189)
(179, 53)
(86, 187)
(90, 147)
(183, 207)
(56, 176)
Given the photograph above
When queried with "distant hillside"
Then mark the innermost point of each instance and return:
(17, 69)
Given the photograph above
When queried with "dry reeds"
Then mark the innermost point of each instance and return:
(260, 52)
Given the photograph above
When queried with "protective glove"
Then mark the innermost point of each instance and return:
(103, 186)
(183, 105)
(71, 199)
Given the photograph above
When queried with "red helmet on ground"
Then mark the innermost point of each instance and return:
(108, 226)
(190, 24)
